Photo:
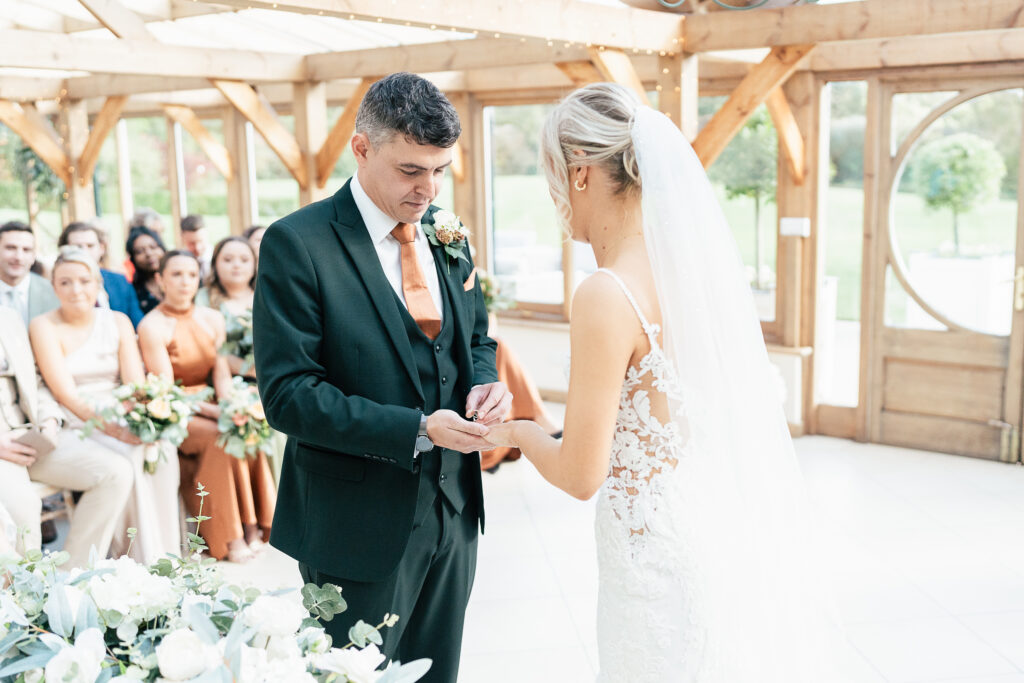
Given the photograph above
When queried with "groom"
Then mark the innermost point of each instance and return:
(372, 349)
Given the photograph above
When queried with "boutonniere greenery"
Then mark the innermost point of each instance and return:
(448, 231)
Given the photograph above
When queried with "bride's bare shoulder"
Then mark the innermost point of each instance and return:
(599, 302)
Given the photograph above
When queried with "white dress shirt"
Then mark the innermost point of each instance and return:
(16, 297)
(389, 250)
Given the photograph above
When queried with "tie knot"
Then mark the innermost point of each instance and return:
(404, 233)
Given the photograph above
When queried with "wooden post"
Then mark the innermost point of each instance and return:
(470, 192)
(176, 178)
(797, 262)
(242, 210)
(310, 109)
(115, 243)
(74, 128)
(677, 91)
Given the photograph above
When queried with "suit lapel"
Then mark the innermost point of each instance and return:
(450, 281)
(22, 363)
(355, 239)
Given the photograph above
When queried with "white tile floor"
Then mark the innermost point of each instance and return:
(927, 549)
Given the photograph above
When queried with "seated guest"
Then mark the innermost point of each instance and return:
(181, 340)
(254, 235)
(145, 249)
(193, 239)
(84, 353)
(8, 536)
(21, 289)
(117, 293)
(26, 406)
(143, 217)
(230, 288)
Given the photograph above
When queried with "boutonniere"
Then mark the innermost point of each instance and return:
(448, 231)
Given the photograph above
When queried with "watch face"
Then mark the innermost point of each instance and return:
(424, 443)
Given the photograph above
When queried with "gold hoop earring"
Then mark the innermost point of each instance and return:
(579, 188)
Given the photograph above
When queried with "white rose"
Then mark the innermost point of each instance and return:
(315, 640)
(79, 663)
(273, 616)
(132, 591)
(34, 676)
(359, 666)
(445, 218)
(132, 673)
(181, 655)
(286, 671)
(283, 647)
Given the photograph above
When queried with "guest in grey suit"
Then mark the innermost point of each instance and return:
(21, 289)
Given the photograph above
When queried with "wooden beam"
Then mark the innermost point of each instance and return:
(176, 178)
(751, 93)
(36, 132)
(450, 55)
(21, 89)
(74, 127)
(965, 48)
(340, 134)
(791, 142)
(247, 101)
(309, 109)
(214, 150)
(678, 90)
(125, 200)
(615, 66)
(580, 73)
(242, 205)
(39, 50)
(847, 21)
(101, 127)
(118, 19)
(572, 21)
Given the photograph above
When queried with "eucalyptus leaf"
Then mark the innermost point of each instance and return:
(19, 665)
(362, 634)
(58, 612)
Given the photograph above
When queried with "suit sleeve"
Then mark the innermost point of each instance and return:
(288, 344)
(482, 347)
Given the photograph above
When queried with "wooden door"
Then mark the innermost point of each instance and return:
(943, 342)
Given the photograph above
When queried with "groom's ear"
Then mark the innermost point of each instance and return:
(360, 147)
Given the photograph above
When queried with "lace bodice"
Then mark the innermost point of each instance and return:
(649, 440)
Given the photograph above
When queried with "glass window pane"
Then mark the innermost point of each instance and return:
(206, 190)
(148, 141)
(277, 193)
(527, 238)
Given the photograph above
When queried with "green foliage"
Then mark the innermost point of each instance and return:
(515, 135)
(748, 166)
(846, 150)
(323, 602)
(958, 172)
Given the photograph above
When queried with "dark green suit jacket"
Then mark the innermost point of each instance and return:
(337, 375)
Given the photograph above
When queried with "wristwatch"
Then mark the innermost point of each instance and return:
(423, 442)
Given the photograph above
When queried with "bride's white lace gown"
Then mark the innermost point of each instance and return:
(648, 630)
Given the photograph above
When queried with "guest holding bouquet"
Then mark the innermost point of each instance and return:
(84, 353)
(230, 290)
(181, 340)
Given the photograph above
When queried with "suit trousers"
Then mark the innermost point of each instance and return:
(79, 465)
(429, 591)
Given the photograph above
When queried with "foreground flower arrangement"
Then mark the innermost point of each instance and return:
(176, 620)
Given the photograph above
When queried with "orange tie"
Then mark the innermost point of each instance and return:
(414, 284)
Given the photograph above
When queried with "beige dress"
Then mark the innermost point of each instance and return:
(152, 508)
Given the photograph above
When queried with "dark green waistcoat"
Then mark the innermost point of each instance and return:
(441, 470)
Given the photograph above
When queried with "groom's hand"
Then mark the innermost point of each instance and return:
(489, 402)
(448, 430)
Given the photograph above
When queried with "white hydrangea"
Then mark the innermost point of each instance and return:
(274, 616)
(182, 655)
(132, 591)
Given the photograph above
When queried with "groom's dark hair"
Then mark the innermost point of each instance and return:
(407, 105)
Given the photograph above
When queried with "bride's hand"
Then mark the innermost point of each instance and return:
(503, 434)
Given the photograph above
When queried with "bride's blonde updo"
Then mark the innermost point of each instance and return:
(590, 127)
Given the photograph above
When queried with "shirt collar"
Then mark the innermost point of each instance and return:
(21, 287)
(378, 223)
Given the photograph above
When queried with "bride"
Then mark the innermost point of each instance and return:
(674, 415)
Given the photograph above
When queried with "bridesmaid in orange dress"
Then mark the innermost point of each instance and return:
(181, 339)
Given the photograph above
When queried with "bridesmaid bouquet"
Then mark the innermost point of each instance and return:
(154, 410)
(244, 430)
(238, 340)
